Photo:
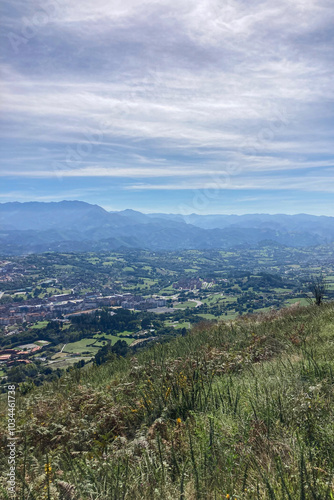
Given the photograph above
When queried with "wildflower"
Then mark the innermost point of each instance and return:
(47, 468)
(178, 421)
(227, 496)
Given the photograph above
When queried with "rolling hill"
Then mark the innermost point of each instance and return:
(241, 410)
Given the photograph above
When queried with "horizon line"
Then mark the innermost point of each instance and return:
(161, 212)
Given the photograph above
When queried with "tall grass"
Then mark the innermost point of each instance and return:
(242, 410)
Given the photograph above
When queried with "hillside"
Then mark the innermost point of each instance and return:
(242, 410)
(71, 226)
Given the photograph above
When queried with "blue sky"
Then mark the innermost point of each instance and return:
(168, 106)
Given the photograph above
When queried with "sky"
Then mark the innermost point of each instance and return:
(199, 106)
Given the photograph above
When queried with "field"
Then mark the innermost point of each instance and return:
(92, 345)
(207, 316)
(177, 324)
(114, 338)
(64, 363)
(83, 345)
(184, 305)
(241, 410)
(302, 302)
(40, 324)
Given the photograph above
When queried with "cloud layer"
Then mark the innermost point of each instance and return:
(163, 94)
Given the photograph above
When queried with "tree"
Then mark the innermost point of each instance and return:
(318, 288)
(145, 323)
(120, 348)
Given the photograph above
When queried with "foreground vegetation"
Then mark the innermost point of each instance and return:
(241, 410)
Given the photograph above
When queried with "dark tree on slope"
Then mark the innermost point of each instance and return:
(318, 288)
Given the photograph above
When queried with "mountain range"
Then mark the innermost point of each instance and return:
(35, 227)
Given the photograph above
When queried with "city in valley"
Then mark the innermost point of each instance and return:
(59, 310)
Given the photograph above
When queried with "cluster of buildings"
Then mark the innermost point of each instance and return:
(141, 304)
(33, 310)
(36, 309)
(10, 270)
(194, 283)
(19, 355)
(125, 300)
(188, 284)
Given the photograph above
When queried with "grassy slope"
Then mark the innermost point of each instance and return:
(243, 409)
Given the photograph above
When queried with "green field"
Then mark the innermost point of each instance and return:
(207, 316)
(182, 324)
(125, 333)
(178, 324)
(114, 338)
(64, 363)
(302, 301)
(40, 324)
(83, 345)
(216, 298)
(184, 305)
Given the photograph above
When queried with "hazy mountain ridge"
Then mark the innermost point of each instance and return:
(281, 222)
(80, 226)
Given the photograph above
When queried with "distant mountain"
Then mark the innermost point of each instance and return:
(279, 222)
(78, 226)
(62, 215)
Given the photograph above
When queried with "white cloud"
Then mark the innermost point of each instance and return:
(214, 183)
(60, 196)
(188, 85)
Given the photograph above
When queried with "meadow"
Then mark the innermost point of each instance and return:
(240, 410)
